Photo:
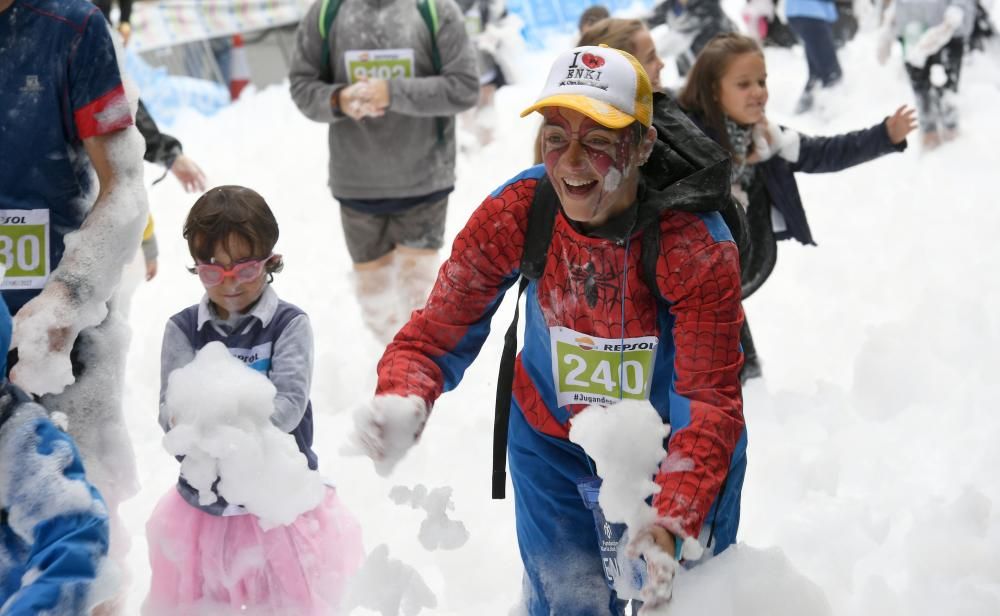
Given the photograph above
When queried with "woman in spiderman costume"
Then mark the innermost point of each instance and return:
(598, 330)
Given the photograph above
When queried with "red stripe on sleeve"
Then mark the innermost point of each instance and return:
(105, 114)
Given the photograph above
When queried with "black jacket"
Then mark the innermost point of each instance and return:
(692, 166)
(775, 185)
(161, 148)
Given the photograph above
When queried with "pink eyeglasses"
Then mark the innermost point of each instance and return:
(211, 274)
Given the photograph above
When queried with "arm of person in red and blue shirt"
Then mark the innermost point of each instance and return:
(431, 352)
(700, 277)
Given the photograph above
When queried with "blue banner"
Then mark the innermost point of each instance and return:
(542, 17)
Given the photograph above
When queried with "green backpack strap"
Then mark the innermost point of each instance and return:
(327, 13)
(428, 10)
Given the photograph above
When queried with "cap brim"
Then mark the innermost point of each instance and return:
(600, 112)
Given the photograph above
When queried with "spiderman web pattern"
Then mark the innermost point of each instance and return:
(581, 290)
(701, 279)
(484, 256)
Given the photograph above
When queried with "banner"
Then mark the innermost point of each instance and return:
(543, 17)
(156, 25)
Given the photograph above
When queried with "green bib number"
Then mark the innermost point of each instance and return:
(24, 248)
(604, 371)
(379, 64)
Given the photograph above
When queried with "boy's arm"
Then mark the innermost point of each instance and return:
(291, 373)
(703, 287)
(176, 352)
(456, 88)
(53, 509)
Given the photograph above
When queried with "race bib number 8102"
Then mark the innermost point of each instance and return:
(591, 370)
(378, 64)
(24, 248)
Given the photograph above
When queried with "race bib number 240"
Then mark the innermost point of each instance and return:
(604, 371)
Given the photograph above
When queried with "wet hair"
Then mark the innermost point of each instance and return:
(613, 32)
(700, 93)
(227, 211)
(592, 15)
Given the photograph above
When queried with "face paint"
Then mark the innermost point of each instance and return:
(591, 176)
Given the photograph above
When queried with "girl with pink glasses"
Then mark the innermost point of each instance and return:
(204, 555)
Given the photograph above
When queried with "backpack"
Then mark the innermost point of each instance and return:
(428, 11)
(327, 13)
(684, 162)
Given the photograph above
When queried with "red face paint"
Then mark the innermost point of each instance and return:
(606, 150)
(589, 176)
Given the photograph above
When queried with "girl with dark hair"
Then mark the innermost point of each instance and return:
(726, 95)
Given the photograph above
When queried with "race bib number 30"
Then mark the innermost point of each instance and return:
(604, 371)
(378, 64)
(24, 248)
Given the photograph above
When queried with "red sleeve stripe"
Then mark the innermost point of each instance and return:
(105, 114)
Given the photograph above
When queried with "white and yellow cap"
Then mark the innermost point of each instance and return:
(605, 84)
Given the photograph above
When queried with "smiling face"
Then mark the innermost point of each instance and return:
(594, 169)
(742, 91)
(231, 295)
(644, 51)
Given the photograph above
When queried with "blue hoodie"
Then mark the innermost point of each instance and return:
(53, 523)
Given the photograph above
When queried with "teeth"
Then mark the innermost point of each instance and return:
(577, 183)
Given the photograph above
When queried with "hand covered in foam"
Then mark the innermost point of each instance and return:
(657, 546)
(44, 332)
(385, 428)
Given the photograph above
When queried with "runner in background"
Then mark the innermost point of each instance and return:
(390, 106)
(484, 22)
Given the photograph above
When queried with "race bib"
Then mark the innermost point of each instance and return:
(24, 248)
(378, 64)
(604, 371)
(473, 21)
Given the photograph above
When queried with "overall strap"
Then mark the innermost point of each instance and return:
(537, 237)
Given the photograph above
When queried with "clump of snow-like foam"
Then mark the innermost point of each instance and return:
(625, 441)
(389, 587)
(437, 531)
(745, 580)
(220, 411)
(385, 428)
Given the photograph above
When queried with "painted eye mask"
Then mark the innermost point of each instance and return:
(609, 151)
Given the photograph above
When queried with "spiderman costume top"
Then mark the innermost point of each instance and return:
(590, 282)
(633, 292)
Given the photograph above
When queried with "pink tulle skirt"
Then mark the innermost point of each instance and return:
(205, 564)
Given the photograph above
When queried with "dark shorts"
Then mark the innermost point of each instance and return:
(371, 236)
